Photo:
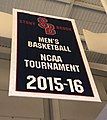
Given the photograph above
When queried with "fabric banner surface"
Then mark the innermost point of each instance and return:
(48, 60)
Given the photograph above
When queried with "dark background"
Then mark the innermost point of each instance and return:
(67, 38)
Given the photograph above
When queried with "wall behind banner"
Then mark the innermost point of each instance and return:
(22, 108)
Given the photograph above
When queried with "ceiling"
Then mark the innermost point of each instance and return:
(88, 14)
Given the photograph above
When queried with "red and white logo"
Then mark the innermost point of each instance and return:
(49, 28)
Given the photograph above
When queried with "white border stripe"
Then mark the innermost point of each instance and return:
(12, 86)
